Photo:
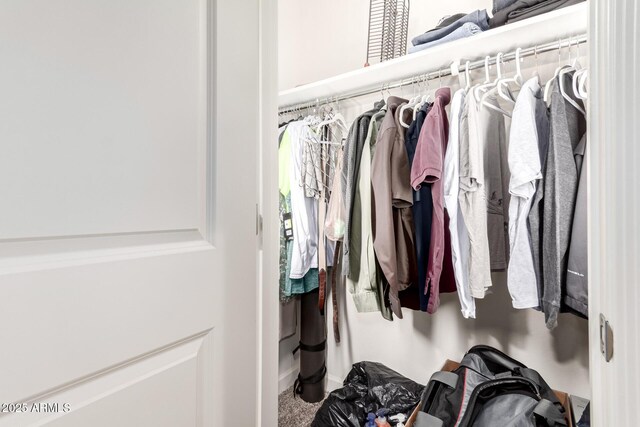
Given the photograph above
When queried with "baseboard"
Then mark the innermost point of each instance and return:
(287, 379)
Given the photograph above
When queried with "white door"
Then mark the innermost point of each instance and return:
(615, 209)
(129, 134)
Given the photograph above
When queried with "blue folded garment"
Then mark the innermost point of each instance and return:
(479, 18)
(466, 30)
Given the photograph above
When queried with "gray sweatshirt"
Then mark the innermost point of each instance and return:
(560, 189)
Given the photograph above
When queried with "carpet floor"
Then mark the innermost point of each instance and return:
(295, 412)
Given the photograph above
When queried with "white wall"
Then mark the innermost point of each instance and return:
(417, 345)
(321, 38)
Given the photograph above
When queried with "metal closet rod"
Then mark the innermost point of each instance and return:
(443, 72)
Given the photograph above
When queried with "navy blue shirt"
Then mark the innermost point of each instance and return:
(422, 213)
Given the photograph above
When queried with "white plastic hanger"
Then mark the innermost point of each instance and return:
(412, 102)
(425, 98)
(575, 82)
(582, 85)
(467, 77)
(493, 85)
(547, 87)
(487, 81)
(575, 66)
(517, 79)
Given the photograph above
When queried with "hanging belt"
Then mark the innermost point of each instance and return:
(334, 293)
(322, 254)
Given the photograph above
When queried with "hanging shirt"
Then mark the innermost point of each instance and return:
(365, 290)
(427, 167)
(422, 216)
(568, 125)
(459, 236)
(492, 130)
(529, 124)
(392, 219)
(290, 286)
(473, 203)
(577, 297)
(351, 163)
(303, 209)
(534, 219)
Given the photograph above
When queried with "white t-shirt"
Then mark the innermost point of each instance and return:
(472, 199)
(525, 168)
(459, 236)
(304, 210)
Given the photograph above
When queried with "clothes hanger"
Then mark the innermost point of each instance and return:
(565, 70)
(536, 71)
(425, 98)
(575, 82)
(335, 117)
(405, 107)
(467, 77)
(487, 81)
(582, 85)
(517, 79)
(418, 97)
(495, 83)
(547, 87)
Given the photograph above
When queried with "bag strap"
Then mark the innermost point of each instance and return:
(547, 411)
(312, 348)
(316, 377)
(447, 378)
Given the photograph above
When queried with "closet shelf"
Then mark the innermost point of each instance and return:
(560, 24)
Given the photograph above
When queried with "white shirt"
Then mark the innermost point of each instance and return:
(460, 246)
(525, 168)
(304, 210)
(472, 199)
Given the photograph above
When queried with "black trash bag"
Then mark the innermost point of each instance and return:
(368, 387)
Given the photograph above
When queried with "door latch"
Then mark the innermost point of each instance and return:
(606, 338)
(258, 221)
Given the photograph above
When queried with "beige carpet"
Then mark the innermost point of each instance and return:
(295, 412)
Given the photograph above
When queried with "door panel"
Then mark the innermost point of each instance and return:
(123, 270)
(67, 323)
(159, 389)
(614, 229)
(101, 105)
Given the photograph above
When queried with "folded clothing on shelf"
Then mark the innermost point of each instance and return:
(498, 5)
(466, 30)
(480, 18)
(513, 11)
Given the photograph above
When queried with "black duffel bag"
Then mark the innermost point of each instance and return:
(489, 389)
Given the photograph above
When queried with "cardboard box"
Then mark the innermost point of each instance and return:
(450, 365)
